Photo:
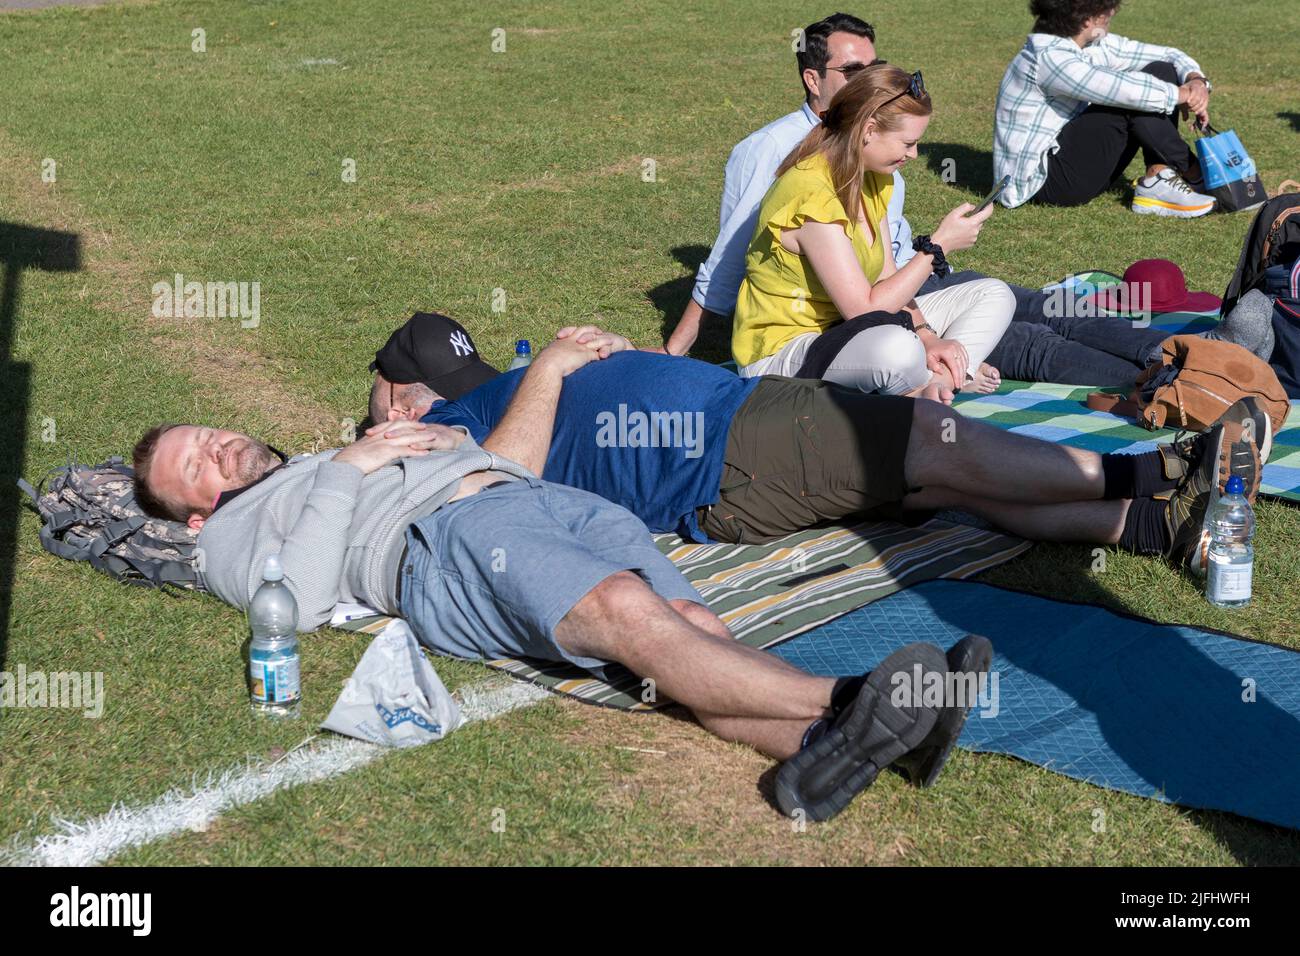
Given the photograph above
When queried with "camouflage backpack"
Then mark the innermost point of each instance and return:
(89, 513)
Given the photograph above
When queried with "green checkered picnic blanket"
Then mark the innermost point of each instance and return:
(1058, 413)
(769, 593)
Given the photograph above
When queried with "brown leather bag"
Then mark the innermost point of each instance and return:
(1196, 380)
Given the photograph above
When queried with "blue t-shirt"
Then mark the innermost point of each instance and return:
(644, 430)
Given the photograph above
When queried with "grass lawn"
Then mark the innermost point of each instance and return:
(479, 171)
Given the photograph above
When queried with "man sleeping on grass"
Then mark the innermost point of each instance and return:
(485, 560)
(692, 448)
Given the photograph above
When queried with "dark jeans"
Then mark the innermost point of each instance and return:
(1042, 347)
(1098, 144)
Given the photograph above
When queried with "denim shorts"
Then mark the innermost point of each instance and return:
(491, 575)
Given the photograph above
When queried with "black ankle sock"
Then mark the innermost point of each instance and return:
(1119, 475)
(1134, 476)
(845, 693)
(1149, 475)
(1145, 531)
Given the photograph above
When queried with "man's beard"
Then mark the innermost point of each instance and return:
(250, 461)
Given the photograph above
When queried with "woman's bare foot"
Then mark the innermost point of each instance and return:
(934, 391)
(986, 380)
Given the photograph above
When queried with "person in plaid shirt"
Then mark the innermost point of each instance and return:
(1077, 103)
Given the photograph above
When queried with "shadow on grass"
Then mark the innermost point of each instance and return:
(973, 171)
(21, 248)
(671, 298)
(1292, 118)
(964, 167)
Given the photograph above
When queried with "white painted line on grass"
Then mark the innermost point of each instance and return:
(88, 842)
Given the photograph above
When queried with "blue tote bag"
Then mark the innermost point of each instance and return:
(1229, 172)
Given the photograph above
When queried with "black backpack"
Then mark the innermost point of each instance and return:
(1268, 260)
(89, 513)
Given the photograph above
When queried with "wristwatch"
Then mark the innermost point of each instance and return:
(940, 265)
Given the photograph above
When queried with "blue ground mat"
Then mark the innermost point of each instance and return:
(1121, 702)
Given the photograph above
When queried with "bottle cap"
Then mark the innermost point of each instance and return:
(1235, 485)
(522, 347)
(272, 570)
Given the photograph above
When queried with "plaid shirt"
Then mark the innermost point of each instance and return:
(1052, 80)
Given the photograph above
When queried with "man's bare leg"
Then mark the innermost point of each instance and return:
(772, 737)
(1091, 522)
(735, 691)
(982, 460)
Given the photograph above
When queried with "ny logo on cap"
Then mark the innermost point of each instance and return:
(460, 343)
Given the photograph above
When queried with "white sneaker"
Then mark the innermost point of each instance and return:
(1166, 194)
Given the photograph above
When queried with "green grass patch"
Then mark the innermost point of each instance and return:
(521, 171)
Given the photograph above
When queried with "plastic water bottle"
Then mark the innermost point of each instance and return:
(273, 662)
(523, 355)
(1231, 557)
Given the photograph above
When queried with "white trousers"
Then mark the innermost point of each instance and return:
(891, 360)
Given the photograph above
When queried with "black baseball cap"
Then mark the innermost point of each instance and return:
(436, 350)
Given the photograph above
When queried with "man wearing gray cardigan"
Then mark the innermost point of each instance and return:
(484, 560)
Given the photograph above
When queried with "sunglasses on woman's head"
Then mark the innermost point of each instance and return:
(915, 89)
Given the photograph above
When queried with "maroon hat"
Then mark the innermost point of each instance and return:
(1154, 285)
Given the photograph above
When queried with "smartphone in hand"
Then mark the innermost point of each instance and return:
(1001, 184)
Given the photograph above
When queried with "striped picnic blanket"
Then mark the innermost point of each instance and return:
(768, 593)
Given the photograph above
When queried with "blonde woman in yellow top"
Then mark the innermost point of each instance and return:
(821, 254)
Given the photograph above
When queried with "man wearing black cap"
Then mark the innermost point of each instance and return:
(692, 448)
(431, 354)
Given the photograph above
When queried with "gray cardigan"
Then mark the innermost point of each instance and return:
(339, 533)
